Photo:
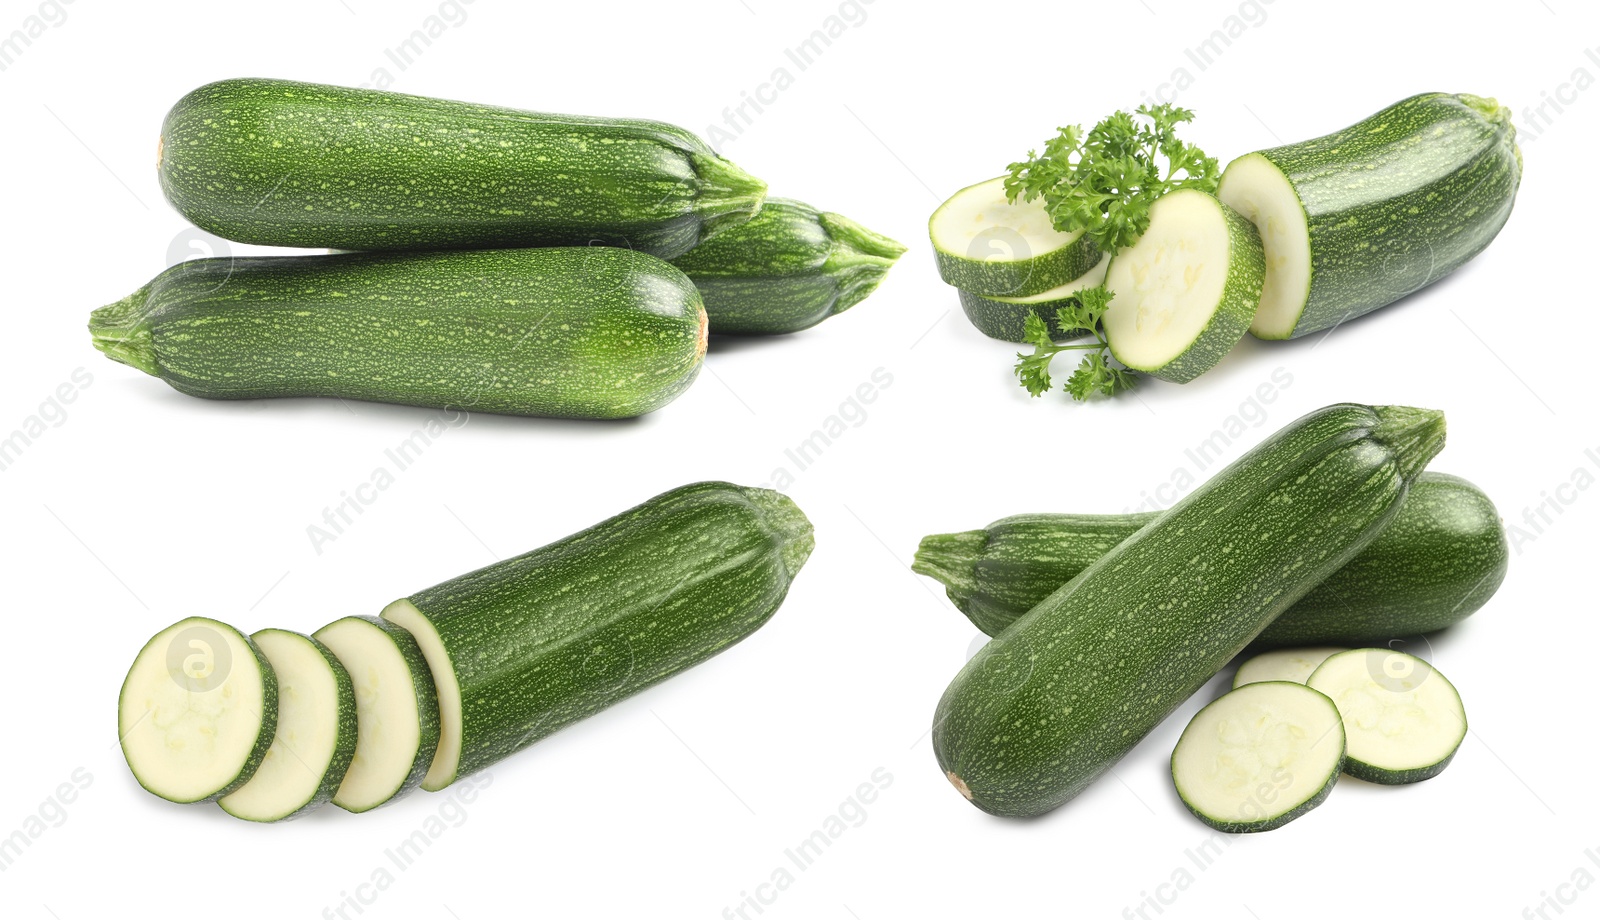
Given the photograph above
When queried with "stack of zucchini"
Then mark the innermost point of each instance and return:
(502, 261)
(1296, 239)
(456, 677)
(1329, 533)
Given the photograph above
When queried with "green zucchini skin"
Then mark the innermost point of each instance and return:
(786, 269)
(534, 643)
(590, 332)
(1400, 199)
(1072, 686)
(283, 163)
(1440, 560)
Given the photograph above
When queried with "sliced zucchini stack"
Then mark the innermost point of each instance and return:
(1187, 291)
(316, 733)
(1004, 318)
(1404, 719)
(1260, 756)
(986, 244)
(397, 710)
(198, 711)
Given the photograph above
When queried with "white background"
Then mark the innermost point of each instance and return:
(139, 505)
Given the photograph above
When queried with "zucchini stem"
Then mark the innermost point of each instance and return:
(1415, 435)
(122, 331)
(729, 196)
(949, 557)
(859, 260)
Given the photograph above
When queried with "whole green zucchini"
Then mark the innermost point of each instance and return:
(1357, 219)
(591, 332)
(786, 269)
(301, 164)
(1440, 559)
(1071, 687)
(526, 646)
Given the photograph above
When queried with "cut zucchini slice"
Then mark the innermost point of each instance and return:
(1261, 192)
(1186, 292)
(397, 710)
(1293, 664)
(1404, 719)
(316, 734)
(1259, 757)
(984, 244)
(197, 711)
(1005, 317)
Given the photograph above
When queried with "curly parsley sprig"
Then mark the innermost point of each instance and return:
(1103, 181)
(1095, 373)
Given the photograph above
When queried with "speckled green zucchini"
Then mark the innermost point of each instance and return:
(1006, 318)
(1057, 699)
(1440, 559)
(301, 164)
(1359, 218)
(1185, 294)
(591, 332)
(786, 269)
(526, 646)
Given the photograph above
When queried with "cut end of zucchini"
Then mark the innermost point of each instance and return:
(702, 338)
(1260, 191)
(446, 761)
(1291, 664)
(959, 783)
(197, 711)
(315, 737)
(1404, 720)
(784, 518)
(396, 709)
(1259, 756)
(729, 196)
(860, 259)
(122, 332)
(987, 244)
(1185, 293)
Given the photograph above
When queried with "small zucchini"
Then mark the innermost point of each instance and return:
(592, 332)
(786, 269)
(283, 163)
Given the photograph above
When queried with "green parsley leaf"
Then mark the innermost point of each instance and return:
(1095, 373)
(1103, 181)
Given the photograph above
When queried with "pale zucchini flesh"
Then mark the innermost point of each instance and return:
(1259, 756)
(986, 244)
(1292, 664)
(197, 711)
(1261, 192)
(1403, 719)
(396, 710)
(316, 733)
(1185, 294)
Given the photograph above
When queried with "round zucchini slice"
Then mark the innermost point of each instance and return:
(1404, 719)
(985, 244)
(1005, 317)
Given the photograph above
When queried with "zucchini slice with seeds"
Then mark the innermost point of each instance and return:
(1291, 664)
(1403, 718)
(197, 711)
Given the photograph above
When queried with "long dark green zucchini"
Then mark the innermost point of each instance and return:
(1057, 699)
(301, 164)
(1440, 559)
(529, 645)
(786, 269)
(591, 332)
